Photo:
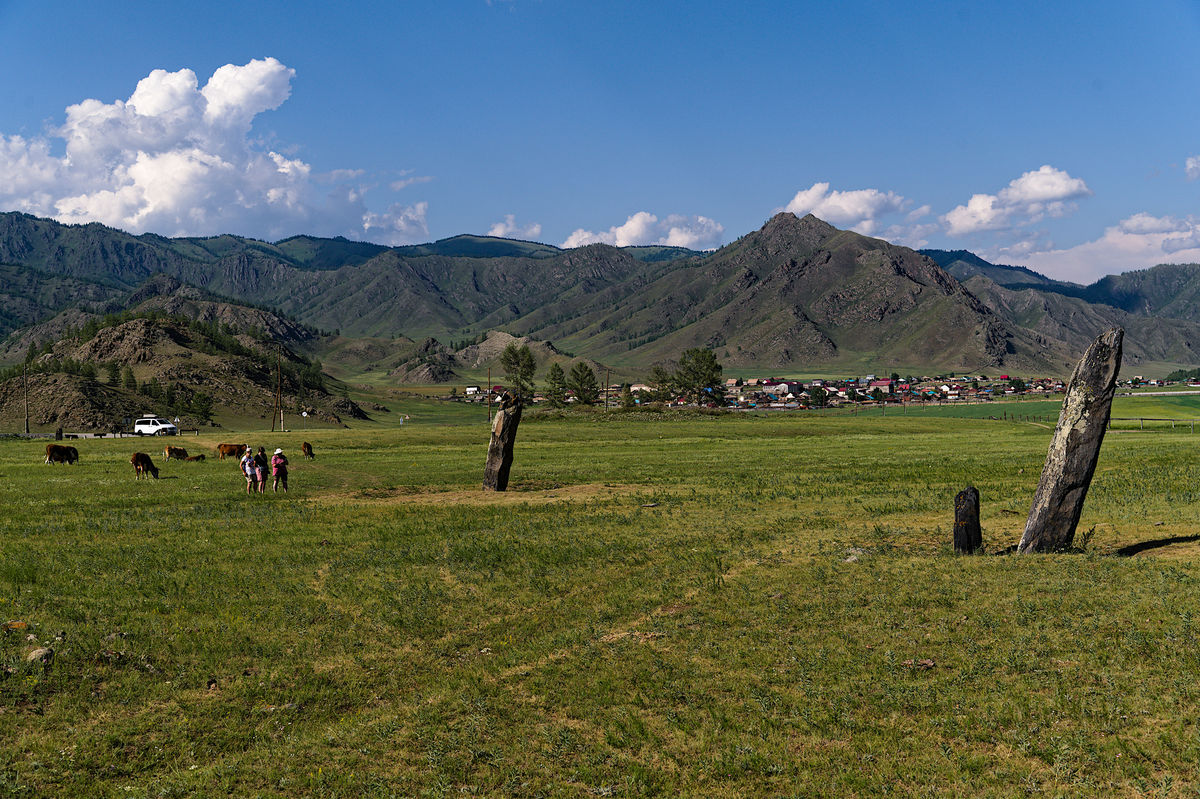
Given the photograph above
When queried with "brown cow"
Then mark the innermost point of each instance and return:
(178, 453)
(199, 457)
(59, 453)
(142, 465)
(306, 451)
(233, 450)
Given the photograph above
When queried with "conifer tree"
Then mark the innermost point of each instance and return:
(556, 386)
(699, 376)
(582, 381)
(519, 367)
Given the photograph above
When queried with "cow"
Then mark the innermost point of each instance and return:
(142, 465)
(58, 453)
(232, 450)
(178, 453)
(199, 457)
(306, 451)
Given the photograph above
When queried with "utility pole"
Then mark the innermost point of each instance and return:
(487, 396)
(276, 409)
(279, 387)
(275, 400)
(607, 386)
(25, 381)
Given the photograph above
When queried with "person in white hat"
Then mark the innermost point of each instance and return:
(279, 464)
(247, 467)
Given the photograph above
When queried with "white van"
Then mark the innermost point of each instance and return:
(153, 426)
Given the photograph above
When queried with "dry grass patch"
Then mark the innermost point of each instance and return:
(418, 495)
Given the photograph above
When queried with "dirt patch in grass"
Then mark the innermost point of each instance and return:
(633, 635)
(408, 495)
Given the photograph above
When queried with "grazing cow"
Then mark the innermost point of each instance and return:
(199, 457)
(178, 453)
(231, 450)
(58, 453)
(306, 451)
(142, 465)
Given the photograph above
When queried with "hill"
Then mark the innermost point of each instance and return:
(1163, 291)
(461, 285)
(125, 365)
(964, 265)
(29, 295)
(430, 361)
(1068, 324)
(164, 296)
(1166, 290)
(798, 293)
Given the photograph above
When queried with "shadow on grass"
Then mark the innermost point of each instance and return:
(1134, 549)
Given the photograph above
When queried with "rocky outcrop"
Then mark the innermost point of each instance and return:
(66, 401)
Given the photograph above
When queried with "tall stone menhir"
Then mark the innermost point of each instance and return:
(500, 447)
(968, 536)
(1075, 448)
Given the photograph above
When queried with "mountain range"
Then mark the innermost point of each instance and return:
(797, 294)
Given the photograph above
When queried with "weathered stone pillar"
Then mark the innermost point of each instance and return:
(1075, 448)
(500, 448)
(968, 536)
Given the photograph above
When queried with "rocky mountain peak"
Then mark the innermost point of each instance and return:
(786, 232)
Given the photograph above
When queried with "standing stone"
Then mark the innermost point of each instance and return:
(500, 448)
(968, 536)
(1075, 448)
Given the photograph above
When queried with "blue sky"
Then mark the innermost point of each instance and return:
(1062, 136)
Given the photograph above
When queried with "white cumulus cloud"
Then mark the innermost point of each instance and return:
(178, 158)
(1044, 192)
(1145, 223)
(1137, 242)
(1192, 167)
(915, 236)
(399, 224)
(509, 229)
(859, 209)
(693, 232)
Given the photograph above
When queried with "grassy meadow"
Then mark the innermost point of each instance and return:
(661, 605)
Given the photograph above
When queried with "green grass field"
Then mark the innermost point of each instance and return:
(662, 604)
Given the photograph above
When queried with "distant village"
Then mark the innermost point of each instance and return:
(786, 394)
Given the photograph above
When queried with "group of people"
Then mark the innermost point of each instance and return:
(255, 465)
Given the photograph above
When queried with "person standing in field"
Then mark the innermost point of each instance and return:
(279, 464)
(260, 467)
(248, 468)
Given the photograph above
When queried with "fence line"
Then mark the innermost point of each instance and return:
(1141, 420)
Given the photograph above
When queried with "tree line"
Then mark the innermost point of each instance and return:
(696, 377)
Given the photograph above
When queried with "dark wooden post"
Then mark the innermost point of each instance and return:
(1075, 448)
(968, 537)
(500, 448)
